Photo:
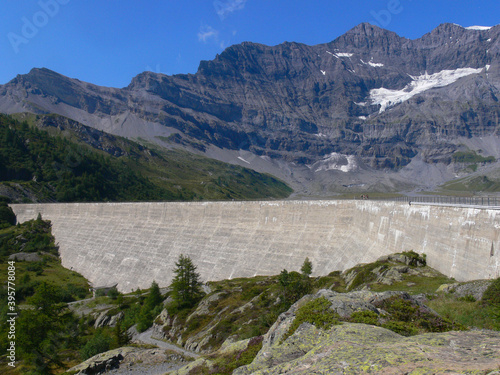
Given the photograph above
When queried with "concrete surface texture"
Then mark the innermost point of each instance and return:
(133, 244)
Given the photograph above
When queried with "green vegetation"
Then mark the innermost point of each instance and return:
(408, 319)
(471, 157)
(150, 309)
(226, 364)
(7, 216)
(316, 312)
(59, 166)
(466, 313)
(99, 343)
(306, 268)
(491, 296)
(186, 285)
(295, 285)
(471, 184)
(365, 317)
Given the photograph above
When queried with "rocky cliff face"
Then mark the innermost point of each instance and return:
(374, 97)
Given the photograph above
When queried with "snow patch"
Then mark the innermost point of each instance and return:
(488, 67)
(482, 28)
(362, 117)
(371, 63)
(387, 98)
(239, 157)
(340, 54)
(376, 65)
(323, 72)
(336, 161)
(489, 40)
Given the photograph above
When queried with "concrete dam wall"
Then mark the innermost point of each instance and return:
(133, 244)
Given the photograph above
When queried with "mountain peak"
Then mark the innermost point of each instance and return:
(366, 28)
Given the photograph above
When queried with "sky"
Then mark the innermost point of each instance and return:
(108, 42)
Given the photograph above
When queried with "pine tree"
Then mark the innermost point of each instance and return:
(150, 308)
(186, 285)
(306, 268)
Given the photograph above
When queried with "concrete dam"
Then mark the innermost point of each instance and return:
(132, 244)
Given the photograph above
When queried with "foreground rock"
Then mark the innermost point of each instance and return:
(362, 348)
(131, 360)
(359, 348)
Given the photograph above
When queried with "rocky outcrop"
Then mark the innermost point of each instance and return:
(105, 318)
(25, 257)
(343, 304)
(170, 328)
(102, 362)
(388, 270)
(360, 348)
(471, 289)
(131, 360)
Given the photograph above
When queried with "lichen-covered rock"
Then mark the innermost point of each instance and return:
(131, 359)
(359, 348)
(170, 328)
(102, 362)
(475, 289)
(228, 347)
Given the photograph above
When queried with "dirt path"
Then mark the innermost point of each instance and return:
(145, 337)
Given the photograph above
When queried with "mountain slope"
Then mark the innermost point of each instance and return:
(383, 100)
(71, 162)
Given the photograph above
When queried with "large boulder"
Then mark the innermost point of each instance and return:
(359, 348)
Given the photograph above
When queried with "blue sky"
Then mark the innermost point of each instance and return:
(107, 42)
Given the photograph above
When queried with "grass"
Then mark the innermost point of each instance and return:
(415, 284)
(467, 313)
(471, 184)
(471, 157)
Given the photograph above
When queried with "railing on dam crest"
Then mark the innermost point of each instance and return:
(486, 201)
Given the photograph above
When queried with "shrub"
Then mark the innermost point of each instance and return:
(491, 295)
(113, 293)
(316, 312)
(415, 258)
(365, 317)
(468, 298)
(99, 343)
(403, 328)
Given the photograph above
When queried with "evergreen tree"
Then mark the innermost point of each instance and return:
(7, 216)
(154, 297)
(186, 285)
(46, 329)
(306, 268)
(150, 308)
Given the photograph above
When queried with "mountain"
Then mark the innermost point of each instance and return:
(58, 159)
(368, 111)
